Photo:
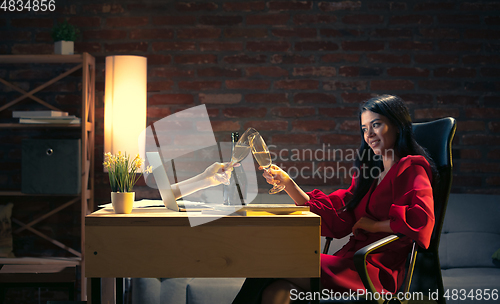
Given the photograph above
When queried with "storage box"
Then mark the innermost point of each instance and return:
(51, 166)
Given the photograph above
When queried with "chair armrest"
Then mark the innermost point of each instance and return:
(328, 241)
(360, 261)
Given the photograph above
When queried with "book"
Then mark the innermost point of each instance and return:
(53, 120)
(32, 114)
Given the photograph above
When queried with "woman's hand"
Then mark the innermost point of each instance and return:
(365, 224)
(275, 174)
(217, 174)
(371, 226)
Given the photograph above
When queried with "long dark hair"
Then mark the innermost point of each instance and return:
(366, 161)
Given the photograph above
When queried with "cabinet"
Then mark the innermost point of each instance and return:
(69, 65)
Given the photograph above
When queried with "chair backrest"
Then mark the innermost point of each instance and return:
(436, 136)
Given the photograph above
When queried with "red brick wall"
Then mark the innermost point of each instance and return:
(297, 70)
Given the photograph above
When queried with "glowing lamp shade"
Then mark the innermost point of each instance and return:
(125, 103)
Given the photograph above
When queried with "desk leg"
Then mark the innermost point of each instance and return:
(95, 290)
(315, 288)
(120, 291)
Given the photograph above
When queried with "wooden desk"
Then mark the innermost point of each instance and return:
(156, 243)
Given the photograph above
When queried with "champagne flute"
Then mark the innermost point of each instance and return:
(263, 157)
(240, 151)
(242, 147)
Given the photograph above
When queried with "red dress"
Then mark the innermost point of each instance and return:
(404, 197)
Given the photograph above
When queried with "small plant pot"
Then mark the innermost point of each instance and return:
(64, 47)
(122, 202)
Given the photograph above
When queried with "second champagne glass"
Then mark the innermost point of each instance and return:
(263, 157)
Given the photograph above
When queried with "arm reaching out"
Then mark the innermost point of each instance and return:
(275, 173)
(214, 175)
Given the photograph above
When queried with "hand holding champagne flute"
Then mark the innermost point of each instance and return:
(263, 157)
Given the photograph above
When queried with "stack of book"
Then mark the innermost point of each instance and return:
(45, 117)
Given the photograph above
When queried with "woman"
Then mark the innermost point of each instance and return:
(398, 200)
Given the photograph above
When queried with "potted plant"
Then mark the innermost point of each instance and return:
(123, 174)
(64, 35)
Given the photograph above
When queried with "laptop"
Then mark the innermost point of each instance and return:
(166, 193)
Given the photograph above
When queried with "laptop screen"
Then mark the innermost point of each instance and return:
(162, 182)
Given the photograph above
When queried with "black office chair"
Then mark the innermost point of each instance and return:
(424, 271)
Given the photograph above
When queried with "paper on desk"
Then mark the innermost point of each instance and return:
(148, 203)
(145, 203)
(224, 210)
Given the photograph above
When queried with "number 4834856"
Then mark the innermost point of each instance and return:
(471, 295)
(28, 5)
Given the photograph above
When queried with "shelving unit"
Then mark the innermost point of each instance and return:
(86, 63)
